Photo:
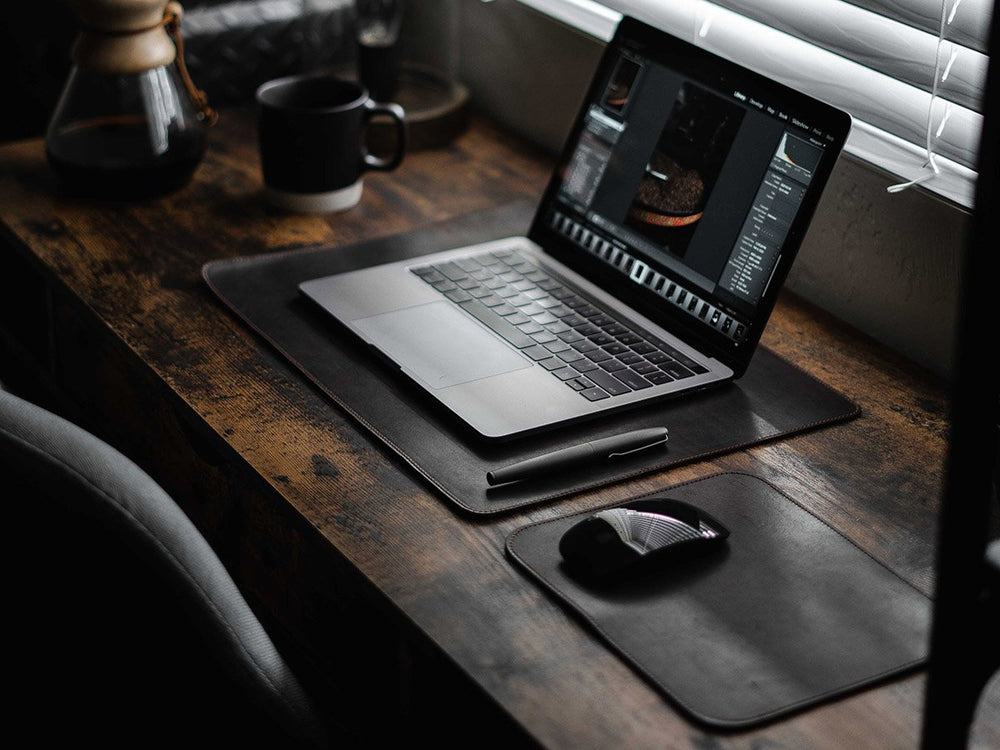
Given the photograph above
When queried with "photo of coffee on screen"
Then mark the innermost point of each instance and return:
(683, 167)
(616, 96)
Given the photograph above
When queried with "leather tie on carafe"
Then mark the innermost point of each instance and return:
(132, 36)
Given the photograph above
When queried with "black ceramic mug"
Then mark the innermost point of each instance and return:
(311, 135)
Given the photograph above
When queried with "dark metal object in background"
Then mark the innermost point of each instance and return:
(233, 47)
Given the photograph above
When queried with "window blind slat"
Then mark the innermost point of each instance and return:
(955, 182)
(591, 17)
(969, 27)
(875, 40)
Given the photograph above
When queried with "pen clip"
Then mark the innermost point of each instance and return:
(619, 454)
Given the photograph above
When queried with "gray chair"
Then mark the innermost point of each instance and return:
(123, 626)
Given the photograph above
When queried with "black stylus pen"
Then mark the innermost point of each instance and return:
(595, 450)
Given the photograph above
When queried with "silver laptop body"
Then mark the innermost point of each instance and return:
(675, 211)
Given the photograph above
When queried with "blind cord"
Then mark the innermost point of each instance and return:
(946, 19)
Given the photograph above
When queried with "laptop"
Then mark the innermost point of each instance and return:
(652, 263)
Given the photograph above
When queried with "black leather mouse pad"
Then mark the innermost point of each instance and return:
(773, 399)
(787, 613)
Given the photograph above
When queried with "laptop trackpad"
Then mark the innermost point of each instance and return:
(439, 344)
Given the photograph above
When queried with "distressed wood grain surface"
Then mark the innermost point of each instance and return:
(410, 610)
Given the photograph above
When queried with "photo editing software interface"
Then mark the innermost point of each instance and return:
(689, 192)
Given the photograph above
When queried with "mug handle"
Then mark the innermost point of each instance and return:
(396, 112)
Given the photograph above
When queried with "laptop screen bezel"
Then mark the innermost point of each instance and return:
(715, 73)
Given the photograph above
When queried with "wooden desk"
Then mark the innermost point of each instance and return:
(348, 554)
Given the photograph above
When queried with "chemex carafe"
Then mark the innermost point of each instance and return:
(130, 123)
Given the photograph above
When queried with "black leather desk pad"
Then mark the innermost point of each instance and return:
(787, 615)
(774, 399)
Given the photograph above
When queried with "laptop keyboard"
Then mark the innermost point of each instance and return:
(547, 319)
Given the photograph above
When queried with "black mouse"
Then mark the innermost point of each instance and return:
(624, 537)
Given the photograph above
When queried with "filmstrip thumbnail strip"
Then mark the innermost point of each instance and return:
(641, 273)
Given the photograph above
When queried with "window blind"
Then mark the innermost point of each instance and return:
(910, 72)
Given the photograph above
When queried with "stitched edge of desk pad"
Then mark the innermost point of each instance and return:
(862, 623)
(774, 399)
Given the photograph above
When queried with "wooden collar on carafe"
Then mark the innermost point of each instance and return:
(125, 36)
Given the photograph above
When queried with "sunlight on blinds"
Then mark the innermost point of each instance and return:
(910, 72)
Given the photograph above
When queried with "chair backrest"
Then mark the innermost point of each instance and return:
(124, 619)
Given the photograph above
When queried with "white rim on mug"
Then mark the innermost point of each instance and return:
(316, 203)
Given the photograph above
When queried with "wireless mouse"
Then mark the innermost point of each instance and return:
(617, 539)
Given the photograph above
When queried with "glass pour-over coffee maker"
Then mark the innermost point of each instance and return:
(130, 123)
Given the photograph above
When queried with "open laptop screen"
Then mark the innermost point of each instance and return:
(686, 186)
